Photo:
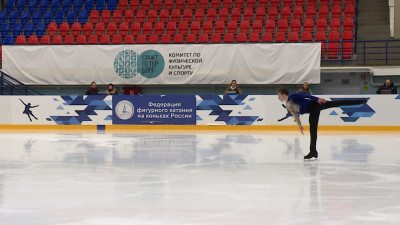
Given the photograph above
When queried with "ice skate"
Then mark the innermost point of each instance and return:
(311, 156)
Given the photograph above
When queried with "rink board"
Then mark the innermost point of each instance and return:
(208, 112)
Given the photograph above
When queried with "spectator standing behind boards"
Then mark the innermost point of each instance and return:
(305, 89)
(111, 90)
(93, 89)
(387, 88)
(233, 88)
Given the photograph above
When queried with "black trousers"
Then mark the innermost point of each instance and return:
(314, 109)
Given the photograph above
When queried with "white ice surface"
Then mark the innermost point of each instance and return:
(198, 178)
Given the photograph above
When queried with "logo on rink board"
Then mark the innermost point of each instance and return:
(124, 110)
(150, 64)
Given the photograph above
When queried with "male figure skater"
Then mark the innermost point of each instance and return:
(298, 104)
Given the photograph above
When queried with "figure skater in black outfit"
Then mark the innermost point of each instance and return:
(28, 111)
(298, 104)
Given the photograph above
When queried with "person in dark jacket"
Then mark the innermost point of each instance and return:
(93, 89)
(298, 104)
(233, 87)
(387, 88)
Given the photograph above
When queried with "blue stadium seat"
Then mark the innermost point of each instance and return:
(1, 40)
(8, 40)
(40, 29)
(5, 29)
(59, 18)
(71, 16)
(112, 5)
(10, 5)
(21, 4)
(13, 17)
(3, 16)
(32, 5)
(25, 16)
(44, 5)
(89, 4)
(100, 5)
(29, 28)
(66, 5)
(36, 17)
(17, 29)
(77, 5)
(55, 5)
(48, 17)
(83, 16)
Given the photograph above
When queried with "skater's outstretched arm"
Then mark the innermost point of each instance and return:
(295, 116)
(22, 101)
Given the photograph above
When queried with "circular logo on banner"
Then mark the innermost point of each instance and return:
(151, 64)
(125, 64)
(124, 110)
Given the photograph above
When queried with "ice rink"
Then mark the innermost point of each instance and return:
(189, 177)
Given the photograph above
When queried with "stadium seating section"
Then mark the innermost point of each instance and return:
(181, 21)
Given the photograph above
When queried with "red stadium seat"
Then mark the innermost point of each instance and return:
(270, 26)
(87, 29)
(64, 29)
(232, 27)
(153, 39)
(334, 36)
(323, 11)
(257, 26)
(298, 12)
(187, 15)
(332, 50)
(57, 40)
(207, 27)
(272, 13)
(203, 38)
(347, 50)
(117, 39)
(140, 15)
(239, 3)
(347, 36)
(335, 24)
(52, 29)
(168, 4)
(171, 27)
(191, 4)
(244, 26)
(129, 15)
(199, 15)
(129, 39)
(134, 5)
(267, 37)
(211, 14)
(123, 4)
(159, 28)
(236, 14)
(241, 38)
(141, 39)
(111, 28)
(176, 15)
(135, 28)
(191, 39)
(94, 16)
(203, 4)
(286, 12)
(99, 29)
(152, 15)
(320, 36)
(280, 37)
(348, 24)
(306, 37)
(215, 38)
(219, 27)
(93, 40)
(105, 39)
(69, 40)
(147, 28)
(336, 11)
(295, 25)
(81, 40)
(117, 16)
(229, 38)
(166, 39)
(261, 13)
(322, 24)
(283, 25)
(178, 39)
(308, 25)
(248, 13)
(145, 4)
(254, 37)
(45, 40)
(223, 14)
(180, 4)
(227, 4)
(157, 4)
(349, 11)
(20, 40)
(215, 4)
(195, 27)
(124, 28)
(275, 3)
(293, 37)
(311, 12)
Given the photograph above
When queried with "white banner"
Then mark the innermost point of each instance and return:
(164, 64)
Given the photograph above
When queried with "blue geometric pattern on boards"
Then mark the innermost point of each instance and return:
(354, 112)
(398, 97)
(92, 103)
(213, 103)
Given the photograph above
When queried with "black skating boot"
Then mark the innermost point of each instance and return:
(312, 154)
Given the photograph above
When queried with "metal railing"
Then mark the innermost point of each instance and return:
(12, 86)
(377, 52)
